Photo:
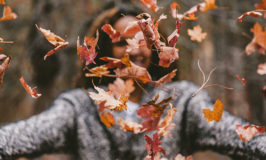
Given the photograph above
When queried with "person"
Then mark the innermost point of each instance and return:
(72, 123)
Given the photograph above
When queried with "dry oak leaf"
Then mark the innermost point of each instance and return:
(29, 90)
(216, 114)
(261, 6)
(109, 101)
(54, 39)
(107, 118)
(151, 4)
(112, 33)
(120, 87)
(261, 69)
(3, 66)
(208, 5)
(8, 14)
(196, 34)
(98, 71)
(259, 40)
(130, 126)
(250, 13)
(242, 80)
(167, 78)
(2, 2)
(246, 133)
(165, 125)
(153, 145)
(2, 41)
(180, 157)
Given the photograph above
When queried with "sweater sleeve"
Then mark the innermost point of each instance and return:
(50, 131)
(199, 134)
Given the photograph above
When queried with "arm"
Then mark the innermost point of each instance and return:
(198, 134)
(52, 130)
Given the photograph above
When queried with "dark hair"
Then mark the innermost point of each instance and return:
(109, 15)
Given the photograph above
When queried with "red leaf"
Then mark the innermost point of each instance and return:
(151, 4)
(153, 145)
(167, 78)
(251, 13)
(29, 90)
(173, 38)
(242, 80)
(167, 56)
(247, 132)
(113, 34)
(3, 66)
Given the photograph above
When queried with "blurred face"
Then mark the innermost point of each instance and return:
(140, 56)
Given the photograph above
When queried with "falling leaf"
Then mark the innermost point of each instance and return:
(135, 43)
(167, 56)
(131, 29)
(242, 80)
(151, 4)
(153, 145)
(167, 78)
(174, 6)
(120, 87)
(246, 133)
(8, 14)
(130, 126)
(217, 112)
(2, 2)
(173, 38)
(112, 33)
(191, 17)
(2, 41)
(29, 90)
(98, 71)
(109, 101)
(3, 66)
(166, 124)
(180, 157)
(208, 5)
(259, 40)
(107, 118)
(87, 52)
(125, 60)
(261, 69)
(261, 6)
(251, 13)
(196, 34)
(54, 39)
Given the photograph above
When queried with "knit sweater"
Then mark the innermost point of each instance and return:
(72, 125)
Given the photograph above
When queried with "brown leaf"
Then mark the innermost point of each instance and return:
(98, 71)
(246, 133)
(3, 66)
(28, 89)
(167, 78)
(8, 14)
(107, 118)
(196, 34)
(216, 114)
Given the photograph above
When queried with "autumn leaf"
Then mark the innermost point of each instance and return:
(131, 29)
(130, 126)
(151, 4)
(54, 39)
(29, 90)
(259, 40)
(135, 42)
(8, 14)
(180, 157)
(173, 38)
(119, 87)
(112, 33)
(191, 17)
(208, 5)
(3, 66)
(98, 71)
(87, 52)
(2, 41)
(216, 114)
(261, 6)
(2, 2)
(109, 101)
(107, 118)
(196, 34)
(166, 124)
(167, 56)
(167, 78)
(251, 13)
(246, 133)
(153, 145)
(242, 80)
(174, 6)
(112, 62)
(261, 69)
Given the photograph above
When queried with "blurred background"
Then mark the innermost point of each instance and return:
(224, 48)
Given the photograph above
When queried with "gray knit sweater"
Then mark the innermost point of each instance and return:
(72, 125)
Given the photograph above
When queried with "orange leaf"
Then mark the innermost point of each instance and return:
(196, 34)
(209, 4)
(246, 133)
(131, 29)
(29, 90)
(125, 59)
(174, 6)
(130, 126)
(98, 71)
(107, 118)
(54, 39)
(242, 80)
(8, 14)
(217, 112)
(151, 4)
(261, 69)
(113, 34)
(166, 124)
(261, 6)
(191, 17)
(167, 78)
(3, 66)
(120, 87)
(251, 13)
(2, 2)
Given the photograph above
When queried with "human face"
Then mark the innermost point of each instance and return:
(140, 56)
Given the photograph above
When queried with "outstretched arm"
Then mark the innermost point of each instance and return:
(52, 130)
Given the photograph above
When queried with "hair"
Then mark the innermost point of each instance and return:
(109, 15)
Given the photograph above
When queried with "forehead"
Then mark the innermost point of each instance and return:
(122, 23)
